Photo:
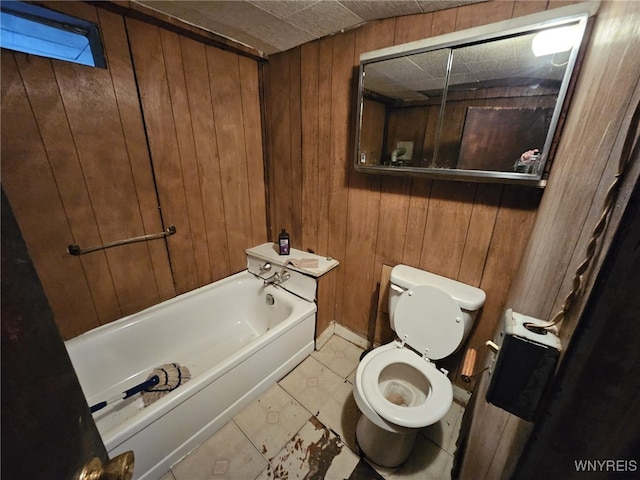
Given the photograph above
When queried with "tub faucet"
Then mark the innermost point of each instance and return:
(278, 277)
(265, 268)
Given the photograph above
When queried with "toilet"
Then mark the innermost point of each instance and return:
(398, 387)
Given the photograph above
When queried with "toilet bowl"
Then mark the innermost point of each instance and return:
(398, 387)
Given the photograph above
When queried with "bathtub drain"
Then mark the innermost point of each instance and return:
(270, 299)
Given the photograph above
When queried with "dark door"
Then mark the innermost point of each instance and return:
(47, 430)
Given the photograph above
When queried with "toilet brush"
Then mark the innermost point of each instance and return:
(172, 375)
(161, 381)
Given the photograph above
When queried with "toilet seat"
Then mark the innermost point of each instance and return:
(430, 321)
(436, 404)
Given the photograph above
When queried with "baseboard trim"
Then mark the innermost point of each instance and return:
(335, 328)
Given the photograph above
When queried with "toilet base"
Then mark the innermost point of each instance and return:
(384, 448)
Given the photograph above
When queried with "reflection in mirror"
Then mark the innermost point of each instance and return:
(398, 116)
(499, 105)
(482, 107)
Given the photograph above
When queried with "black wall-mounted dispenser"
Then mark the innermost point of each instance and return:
(524, 365)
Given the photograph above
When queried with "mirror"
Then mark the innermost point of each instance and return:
(481, 104)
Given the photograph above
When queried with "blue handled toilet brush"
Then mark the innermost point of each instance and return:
(162, 380)
(154, 380)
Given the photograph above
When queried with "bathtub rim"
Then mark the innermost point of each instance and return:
(206, 429)
(127, 320)
(163, 406)
(302, 309)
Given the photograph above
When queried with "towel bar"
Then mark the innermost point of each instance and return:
(75, 250)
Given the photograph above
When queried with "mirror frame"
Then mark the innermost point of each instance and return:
(579, 13)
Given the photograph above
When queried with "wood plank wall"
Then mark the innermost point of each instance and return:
(474, 233)
(77, 168)
(202, 114)
(607, 95)
(416, 123)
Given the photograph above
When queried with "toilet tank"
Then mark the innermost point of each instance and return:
(403, 277)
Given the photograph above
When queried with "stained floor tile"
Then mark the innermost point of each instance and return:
(304, 428)
(445, 432)
(339, 355)
(271, 420)
(326, 395)
(352, 377)
(226, 455)
(426, 462)
(314, 453)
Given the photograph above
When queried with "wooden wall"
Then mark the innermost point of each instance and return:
(373, 132)
(202, 113)
(167, 134)
(474, 233)
(417, 124)
(606, 97)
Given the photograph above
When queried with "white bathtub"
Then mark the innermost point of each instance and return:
(234, 343)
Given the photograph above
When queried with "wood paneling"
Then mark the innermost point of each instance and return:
(576, 412)
(371, 137)
(28, 179)
(190, 182)
(252, 127)
(77, 167)
(480, 151)
(147, 14)
(279, 114)
(456, 229)
(208, 166)
(418, 124)
(152, 76)
(606, 96)
(228, 103)
(404, 125)
(325, 163)
(117, 51)
(202, 111)
(71, 118)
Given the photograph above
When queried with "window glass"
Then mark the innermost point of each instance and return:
(38, 31)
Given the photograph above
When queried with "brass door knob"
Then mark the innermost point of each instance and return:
(118, 468)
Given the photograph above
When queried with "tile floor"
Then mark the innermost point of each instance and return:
(304, 428)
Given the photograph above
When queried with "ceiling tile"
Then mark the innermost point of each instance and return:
(283, 8)
(435, 5)
(254, 23)
(369, 10)
(196, 18)
(277, 25)
(170, 8)
(325, 18)
(490, 51)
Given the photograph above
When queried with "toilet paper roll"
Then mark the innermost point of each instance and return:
(468, 364)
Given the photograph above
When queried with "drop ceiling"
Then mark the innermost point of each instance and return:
(271, 26)
(508, 62)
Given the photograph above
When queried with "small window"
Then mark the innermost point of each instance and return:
(38, 31)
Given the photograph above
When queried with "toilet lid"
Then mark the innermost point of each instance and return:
(430, 320)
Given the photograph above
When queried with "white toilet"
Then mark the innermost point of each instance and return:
(398, 388)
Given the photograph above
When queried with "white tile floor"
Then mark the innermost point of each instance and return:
(304, 428)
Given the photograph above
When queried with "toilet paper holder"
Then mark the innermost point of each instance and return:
(469, 361)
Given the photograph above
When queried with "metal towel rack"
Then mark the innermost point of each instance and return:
(75, 250)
